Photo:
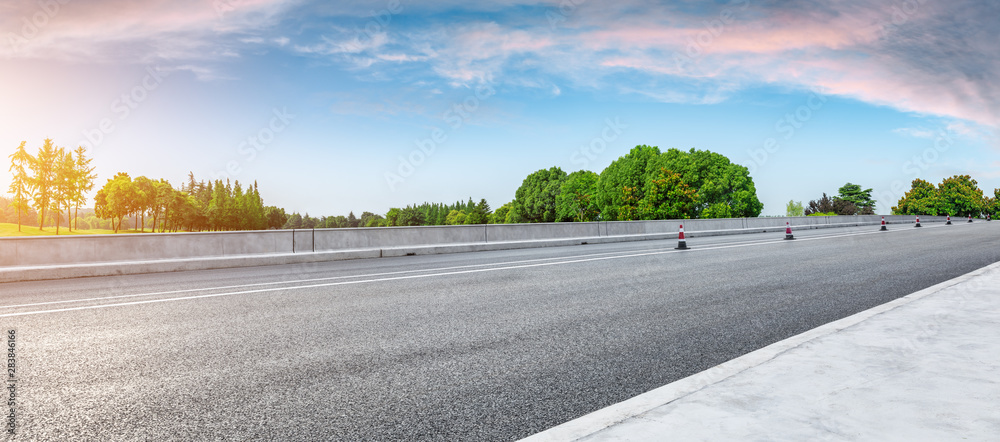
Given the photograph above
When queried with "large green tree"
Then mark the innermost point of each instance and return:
(861, 199)
(85, 177)
(922, 199)
(535, 200)
(725, 190)
(667, 196)
(960, 196)
(619, 186)
(43, 178)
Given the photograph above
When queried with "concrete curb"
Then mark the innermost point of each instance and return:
(36, 273)
(599, 420)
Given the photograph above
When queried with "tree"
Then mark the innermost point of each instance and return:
(276, 218)
(794, 208)
(725, 190)
(64, 187)
(20, 186)
(500, 215)
(480, 213)
(860, 199)
(960, 195)
(84, 179)
(577, 197)
(667, 196)
(410, 216)
(922, 199)
(455, 217)
(623, 179)
(294, 221)
(43, 178)
(821, 207)
(535, 200)
(115, 199)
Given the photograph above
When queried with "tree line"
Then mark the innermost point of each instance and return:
(958, 195)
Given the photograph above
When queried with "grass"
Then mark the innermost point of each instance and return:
(10, 229)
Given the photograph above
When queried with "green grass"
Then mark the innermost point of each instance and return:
(10, 229)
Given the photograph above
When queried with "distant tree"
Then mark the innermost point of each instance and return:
(844, 207)
(64, 187)
(276, 218)
(922, 199)
(352, 220)
(794, 208)
(860, 199)
(308, 222)
(145, 200)
(84, 179)
(619, 186)
(392, 216)
(724, 189)
(823, 205)
(294, 222)
(411, 216)
(480, 213)
(960, 195)
(455, 217)
(577, 197)
(114, 200)
(21, 185)
(536, 198)
(500, 215)
(43, 178)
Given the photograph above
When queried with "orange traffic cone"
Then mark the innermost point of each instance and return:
(883, 229)
(788, 231)
(918, 221)
(681, 242)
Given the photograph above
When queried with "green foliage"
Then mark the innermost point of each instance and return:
(499, 216)
(861, 199)
(535, 200)
(956, 196)
(823, 214)
(721, 188)
(577, 197)
(794, 208)
(455, 218)
(20, 186)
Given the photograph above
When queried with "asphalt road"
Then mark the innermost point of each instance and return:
(476, 346)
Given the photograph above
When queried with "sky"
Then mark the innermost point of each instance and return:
(358, 106)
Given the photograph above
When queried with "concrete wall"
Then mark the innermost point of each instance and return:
(53, 250)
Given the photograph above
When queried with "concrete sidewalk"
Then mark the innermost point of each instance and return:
(923, 367)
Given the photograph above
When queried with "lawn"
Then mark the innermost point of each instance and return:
(10, 229)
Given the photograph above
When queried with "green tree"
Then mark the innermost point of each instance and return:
(21, 185)
(114, 200)
(84, 179)
(922, 199)
(480, 213)
(860, 199)
(43, 178)
(725, 190)
(960, 196)
(624, 179)
(500, 215)
(822, 206)
(276, 218)
(455, 217)
(794, 208)
(667, 196)
(535, 200)
(577, 197)
(410, 216)
(64, 187)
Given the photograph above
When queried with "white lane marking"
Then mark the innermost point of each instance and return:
(397, 278)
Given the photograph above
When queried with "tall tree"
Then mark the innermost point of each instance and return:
(577, 197)
(536, 198)
(960, 195)
(85, 177)
(861, 199)
(21, 185)
(43, 179)
(794, 208)
(64, 189)
(922, 199)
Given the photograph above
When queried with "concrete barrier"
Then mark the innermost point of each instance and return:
(212, 249)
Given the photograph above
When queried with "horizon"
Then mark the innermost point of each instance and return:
(355, 107)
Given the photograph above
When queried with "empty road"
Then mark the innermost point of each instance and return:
(474, 346)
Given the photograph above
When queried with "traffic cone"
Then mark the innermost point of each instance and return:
(988, 217)
(883, 229)
(949, 221)
(970, 218)
(681, 242)
(918, 221)
(788, 231)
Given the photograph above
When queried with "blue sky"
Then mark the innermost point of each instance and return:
(326, 105)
